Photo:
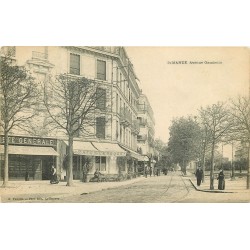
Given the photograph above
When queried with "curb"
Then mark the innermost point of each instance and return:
(209, 191)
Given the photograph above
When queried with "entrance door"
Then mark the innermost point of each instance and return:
(46, 168)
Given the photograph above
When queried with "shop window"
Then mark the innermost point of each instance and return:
(74, 64)
(101, 70)
(100, 127)
(101, 98)
(100, 163)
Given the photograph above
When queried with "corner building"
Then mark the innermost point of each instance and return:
(111, 145)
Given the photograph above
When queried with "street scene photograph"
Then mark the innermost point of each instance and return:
(124, 125)
(117, 124)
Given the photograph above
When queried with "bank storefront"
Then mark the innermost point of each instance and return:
(30, 157)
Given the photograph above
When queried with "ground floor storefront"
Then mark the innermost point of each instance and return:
(30, 158)
(112, 160)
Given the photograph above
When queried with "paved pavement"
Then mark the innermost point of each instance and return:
(43, 190)
(231, 186)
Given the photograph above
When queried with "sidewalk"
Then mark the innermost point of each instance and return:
(43, 189)
(231, 186)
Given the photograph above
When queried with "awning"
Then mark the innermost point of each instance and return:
(83, 148)
(109, 149)
(28, 150)
(133, 154)
(145, 158)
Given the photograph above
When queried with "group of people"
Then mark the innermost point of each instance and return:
(220, 178)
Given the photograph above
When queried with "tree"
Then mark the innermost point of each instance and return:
(240, 114)
(184, 141)
(18, 93)
(217, 121)
(164, 155)
(71, 103)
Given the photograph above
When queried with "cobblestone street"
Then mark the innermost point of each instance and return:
(163, 189)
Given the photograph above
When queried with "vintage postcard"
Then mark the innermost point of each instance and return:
(123, 124)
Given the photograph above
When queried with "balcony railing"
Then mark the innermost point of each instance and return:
(39, 55)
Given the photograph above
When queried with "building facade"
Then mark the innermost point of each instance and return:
(111, 146)
(145, 138)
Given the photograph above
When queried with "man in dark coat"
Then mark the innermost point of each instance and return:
(199, 174)
(221, 182)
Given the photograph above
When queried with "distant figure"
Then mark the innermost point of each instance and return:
(150, 171)
(53, 175)
(27, 176)
(221, 182)
(146, 171)
(199, 174)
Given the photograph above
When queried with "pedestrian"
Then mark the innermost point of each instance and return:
(221, 180)
(146, 170)
(199, 174)
(53, 175)
(150, 171)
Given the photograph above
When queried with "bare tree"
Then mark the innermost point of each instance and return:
(18, 96)
(240, 112)
(217, 122)
(72, 103)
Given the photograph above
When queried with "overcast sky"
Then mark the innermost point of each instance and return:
(176, 90)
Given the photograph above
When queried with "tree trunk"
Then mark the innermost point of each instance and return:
(212, 168)
(204, 161)
(233, 172)
(6, 160)
(248, 169)
(70, 162)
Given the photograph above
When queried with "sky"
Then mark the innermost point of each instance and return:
(176, 90)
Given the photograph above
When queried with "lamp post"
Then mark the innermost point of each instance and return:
(204, 144)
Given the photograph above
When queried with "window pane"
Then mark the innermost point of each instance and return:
(97, 162)
(100, 127)
(74, 64)
(101, 70)
(101, 98)
(103, 163)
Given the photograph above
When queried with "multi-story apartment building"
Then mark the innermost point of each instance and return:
(111, 145)
(147, 132)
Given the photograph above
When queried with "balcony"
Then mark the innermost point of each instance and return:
(125, 117)
(39, 55)
(135, 127)
(142, 122)
(142, 137)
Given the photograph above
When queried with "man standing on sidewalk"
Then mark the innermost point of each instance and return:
(199, 174)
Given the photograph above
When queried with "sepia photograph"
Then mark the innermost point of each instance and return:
(124, 124)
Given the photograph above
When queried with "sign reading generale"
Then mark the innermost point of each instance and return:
(22, 140)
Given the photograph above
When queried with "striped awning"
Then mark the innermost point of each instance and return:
(109, 149)
(83, 148)
(133, 154)
(97, 148)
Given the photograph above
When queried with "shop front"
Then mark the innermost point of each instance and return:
(30, 158)
(133, 159)
(91, 156)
